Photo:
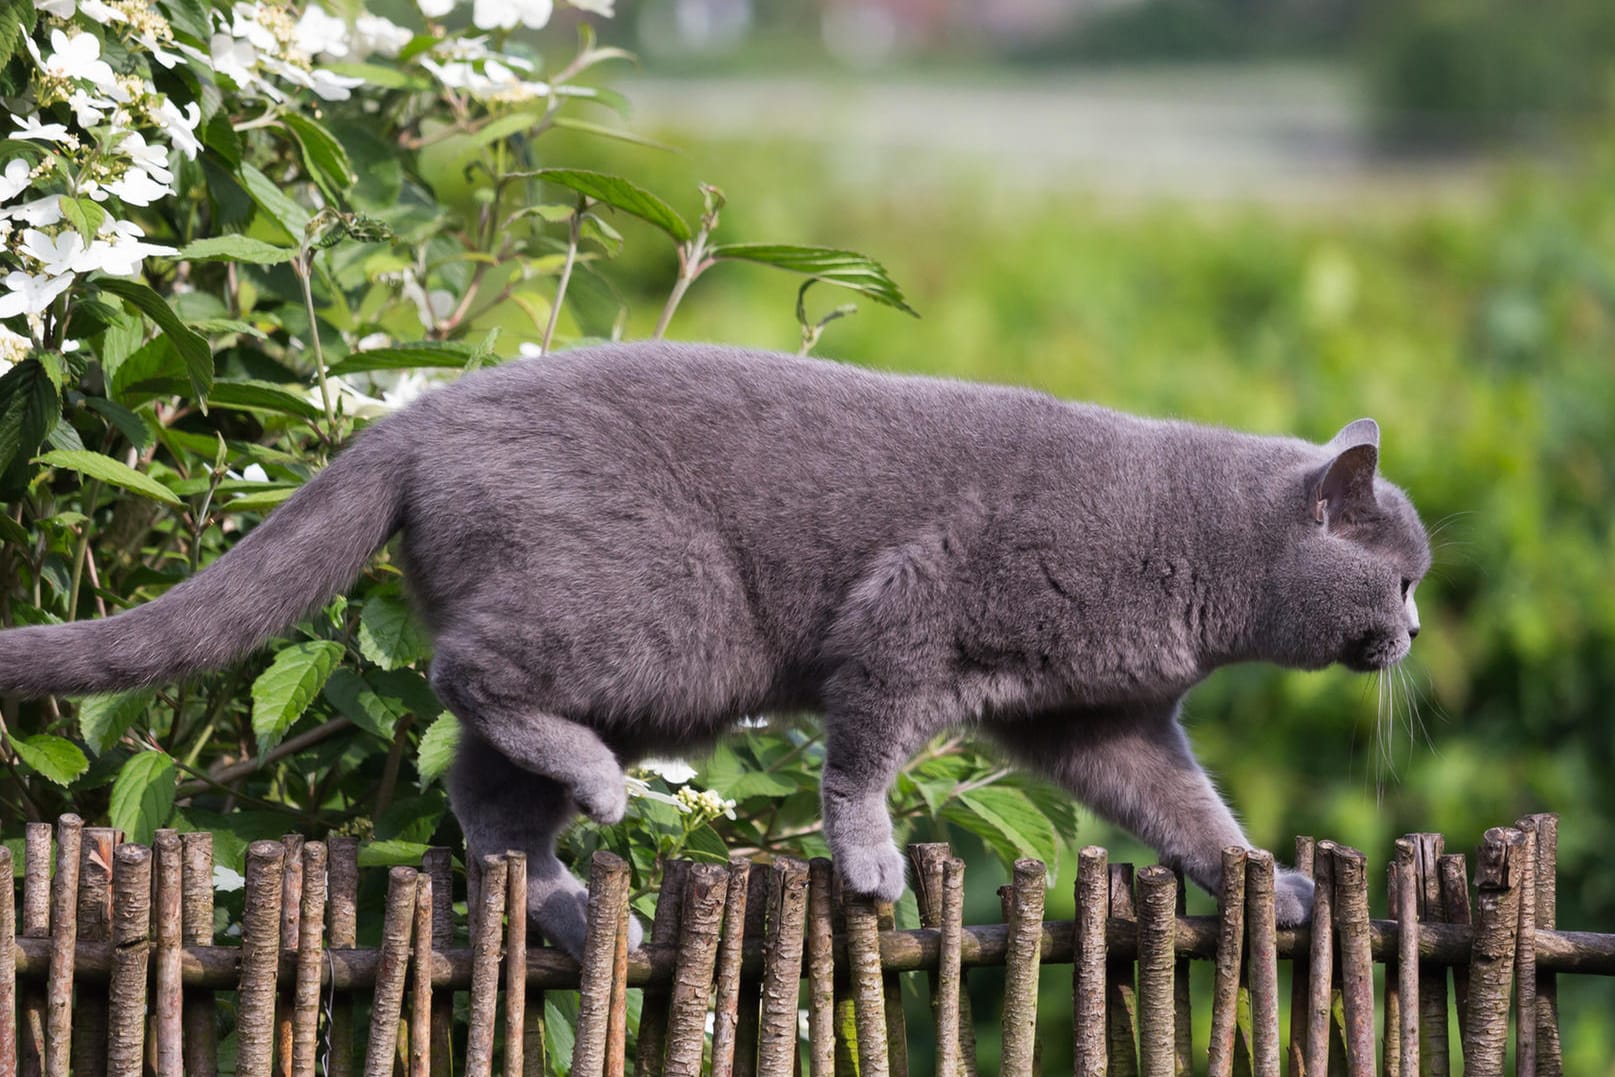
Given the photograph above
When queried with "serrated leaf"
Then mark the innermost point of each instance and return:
(29, 410)
(128, 423)
(387, 854)
(757, 783)
(618, 134)
(355, 699)
(111, 471)
(103, 720)
(283, 692)
(189, 17)
(236, 249)
(84, 215)
(16, 21)
(192, 347)
(55, 758)
(619, 193)
(259, 501)
(848, 269)
(426, 353)
(388, 633)
(143, 795)
(437, 748)
(261, 396)
(1008, 821)
(274, 203)
(324, 156)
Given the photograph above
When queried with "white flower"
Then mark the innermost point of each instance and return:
(151, 158)
(226, 881)
(101, 12)
(245, 24)
(15, 179)
(374, 34)
(55, 254)
(122, 254)
(28, 294)
(41, 212)
(333, 87)
(435, 9)
(62, 9)
(352, 401)
(505, 14)
(88, 109)
(14, 348)
(603, 8)
(30, 127)
(676, 771)
(138, 188)
(254, 473)
(180, 127)
(530, 349)
(79, 57)
(234, 58)
(319, 31)
(406, 389)
(158, 53)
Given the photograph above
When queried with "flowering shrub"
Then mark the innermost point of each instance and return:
(231, 234)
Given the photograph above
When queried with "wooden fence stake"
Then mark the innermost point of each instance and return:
(1121, 996)
(950, 985)
(131, 953)
(758, 882)
(1021, 964)
(291, 909)
(1549, 1054)
(342, 872)
(94, 925)
(1297, 1064)
(1433, 1051)
(1320, 961)
(35, 925)
(260, 959)
(1088, 1025)
(488, 929)
(1525, 958)
(310, 958)
(168, 1006)
(1455, 909)
(196, 926)
(515, 963)
(869, 996)
(664, 931)
(8, 969)
(782, 968)
(420, 998)
(1391, 1024)
(63, 946)
(930, 860)
(608, 892)
(1157, 938)
(726, 1008)
(1261, 927)
(1356, 965)
(1230, 953)
(892, 989)
(1182, 1004)
(437, 863)
(821, 970)
(617, 1015)
(1499, 872)
(1406, 911)
(700, 923)
(392, 969)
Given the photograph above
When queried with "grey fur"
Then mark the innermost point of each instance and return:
(623, 550)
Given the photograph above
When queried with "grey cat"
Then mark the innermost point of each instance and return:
(621, 551)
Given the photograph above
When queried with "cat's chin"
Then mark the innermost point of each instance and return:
(1376, 654)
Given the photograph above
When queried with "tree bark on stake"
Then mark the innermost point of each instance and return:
(1320, 961)
(420, 999)
(342, 859)
(94, 925)
(1549, 1054)
(617, 1017)
(892, 986)
(35, 925)
(664, 931)
(950, 985)
(1182, 1005)
(1088, 1026)
(930, 860)
(869, 997)
(1433, 1051)
(1121, 997)
(487, 939)
(1297, 1064)
(701, 921)
(168, 1024)
(196, 916)
(821, 971)
(1525, 959)
(1264, 963)
(131, 953)
(1157, 946)
(291, 909)
(757, 884)
(1356, 962)
(260, 960)
(1455, 907)
(438, 864)
(515, 964)
(608, 890)
(392, 969)
(726, 1009)
(8, 971)
(310, 959)
(1498, 876)
(1230, 954)
(63, 943)
(1391, 1025)
(1021, 965)
(1407, 952)
(782, 968)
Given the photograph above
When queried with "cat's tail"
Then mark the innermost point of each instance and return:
(307, 550)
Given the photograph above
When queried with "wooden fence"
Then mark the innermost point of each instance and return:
(113, 967)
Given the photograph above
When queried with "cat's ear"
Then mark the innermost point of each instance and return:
(1347, 480)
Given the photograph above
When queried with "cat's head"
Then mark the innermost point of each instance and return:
(1353, 552)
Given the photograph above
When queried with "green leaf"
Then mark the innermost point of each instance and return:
(143, 795)
(274, 203)
(388, 633)
(283, 692)
(261, 396)
(16, 22)
(327, 161)
(848, 269)
(437, 748)
(617, 133)
(29, 409)
(388, 78)
(1008, 821)
(619, 193)
(84, 215)
(103, 720)
(356, 700)
(757, 783)
(190, 345)
(706, 844)
(387, 854)
(259, 501)
(111, 471)
(426, 353)
(128, 423)
(235, 249)
(53, 757)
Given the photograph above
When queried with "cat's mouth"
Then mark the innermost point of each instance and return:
(1376, 651)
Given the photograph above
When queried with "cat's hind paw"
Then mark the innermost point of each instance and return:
(604, 800)
(1292, 899)
(877, 871)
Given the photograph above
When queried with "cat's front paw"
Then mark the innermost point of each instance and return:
(1292, 899)
(603, 800)
(877, 871)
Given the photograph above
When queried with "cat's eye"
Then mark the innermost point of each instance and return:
(1406, 585)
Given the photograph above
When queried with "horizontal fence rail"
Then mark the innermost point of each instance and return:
(111, 965)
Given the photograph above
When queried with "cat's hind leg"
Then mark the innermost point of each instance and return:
(502, 807)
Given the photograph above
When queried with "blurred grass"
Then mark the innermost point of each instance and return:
(1483, 340)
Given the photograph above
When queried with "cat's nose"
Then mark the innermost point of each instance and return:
(1413, 633)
